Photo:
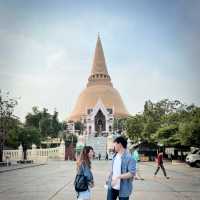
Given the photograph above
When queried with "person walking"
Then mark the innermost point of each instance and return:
(99, 156)
(106, 158)
(136, 157)
(160, 164)
(84, 169)
(123, 170)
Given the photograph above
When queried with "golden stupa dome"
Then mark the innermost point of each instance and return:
(99, 86)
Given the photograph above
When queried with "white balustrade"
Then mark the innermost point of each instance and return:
(37, 155)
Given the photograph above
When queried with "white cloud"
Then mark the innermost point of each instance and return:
(48, 62)
(138, 84)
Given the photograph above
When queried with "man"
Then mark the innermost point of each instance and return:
(136, 157)
(160, 164)
(122, 172)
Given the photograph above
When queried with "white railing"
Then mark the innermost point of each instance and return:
(37, 155)
(8, 154)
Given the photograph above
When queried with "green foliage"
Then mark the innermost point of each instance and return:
(33, 119)
(79, 126)
(134, 127)
(168, 122)
(55, 125)
(47, 124)
(189, 127)
(119, 124)
(168, 135)
(171, 118)
(45, 127)
(23, 135)
(7, 105)
(190, 133)
(70, 139)
(38, 125)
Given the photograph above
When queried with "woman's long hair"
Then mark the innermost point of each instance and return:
(84, 158)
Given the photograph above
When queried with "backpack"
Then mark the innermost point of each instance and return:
(80, 182)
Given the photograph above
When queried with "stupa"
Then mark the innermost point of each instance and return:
(99, 103)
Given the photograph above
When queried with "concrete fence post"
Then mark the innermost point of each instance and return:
(20, 152)
(34, 152)
(62, 150)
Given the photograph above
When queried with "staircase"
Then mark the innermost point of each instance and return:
(99, 145)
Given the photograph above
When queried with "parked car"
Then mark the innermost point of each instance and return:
(193, 158)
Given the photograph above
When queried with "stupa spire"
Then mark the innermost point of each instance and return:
(99, 74)
(99, 63)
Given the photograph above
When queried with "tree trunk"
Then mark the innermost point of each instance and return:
(24, 151)
(1, 152)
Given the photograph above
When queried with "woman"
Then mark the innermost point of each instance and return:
(84, 166)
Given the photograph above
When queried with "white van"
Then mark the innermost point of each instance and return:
(193, 158)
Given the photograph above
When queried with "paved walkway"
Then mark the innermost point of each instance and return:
(55, 182)
(18, 166)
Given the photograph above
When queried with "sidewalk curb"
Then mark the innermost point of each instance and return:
(22, 167)
(177, 162)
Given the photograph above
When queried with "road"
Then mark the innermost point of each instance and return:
(55, 182)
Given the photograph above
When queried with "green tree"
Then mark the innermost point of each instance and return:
(48, 124)
(7, 105)
(70, 139)
(171, 118)
(150, 128)
(10, 139)
(161, 114)
(45, 127)
(134, 127)
(168, 135)
(189, 126)
(33, 119)
(152, 119)
(25, 136)
(119, 124)
(79, 126)
(56, 125)
(168, 122)
(190, 133)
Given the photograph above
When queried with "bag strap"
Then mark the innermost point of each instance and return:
(81, 170)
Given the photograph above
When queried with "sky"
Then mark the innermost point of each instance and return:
(152, 51)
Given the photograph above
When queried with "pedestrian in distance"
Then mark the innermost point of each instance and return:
(99, 156)
(120, 179)
(106, 158)
(136, 157)
(160, 164)
(84, 177)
